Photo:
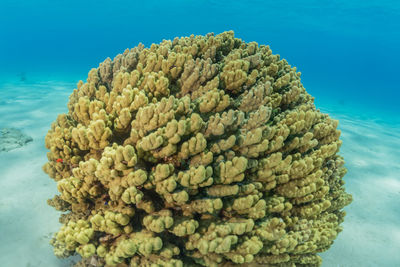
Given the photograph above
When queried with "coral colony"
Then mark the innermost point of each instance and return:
(201, 151)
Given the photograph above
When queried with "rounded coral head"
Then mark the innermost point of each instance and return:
(201, 151)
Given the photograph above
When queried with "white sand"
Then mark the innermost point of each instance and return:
(371, 235)
(26, 221)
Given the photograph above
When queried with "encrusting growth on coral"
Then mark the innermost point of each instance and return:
(201, 151)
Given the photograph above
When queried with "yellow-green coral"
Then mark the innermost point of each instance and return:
(200, 151)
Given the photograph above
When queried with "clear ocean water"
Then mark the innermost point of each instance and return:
(347, 51)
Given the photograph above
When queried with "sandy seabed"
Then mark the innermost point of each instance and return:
(371, 148)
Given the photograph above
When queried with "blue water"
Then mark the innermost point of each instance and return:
(347, 51)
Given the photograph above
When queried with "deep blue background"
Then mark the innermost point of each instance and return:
(347, 50)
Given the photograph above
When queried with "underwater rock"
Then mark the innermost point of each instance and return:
(201, 151)
(11, 138)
